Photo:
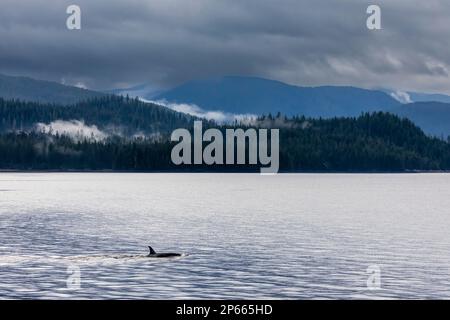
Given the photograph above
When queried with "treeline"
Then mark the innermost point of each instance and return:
(38, 151)
(110, 114)
(371, 142)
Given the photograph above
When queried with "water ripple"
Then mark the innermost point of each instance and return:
(248, 236)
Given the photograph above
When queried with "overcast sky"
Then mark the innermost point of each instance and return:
(167, 42)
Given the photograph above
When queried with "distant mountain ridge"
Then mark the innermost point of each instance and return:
(240, 95)
(411, 97)
(428, 97)
(432, 117)
(27, 89)
(258, 96)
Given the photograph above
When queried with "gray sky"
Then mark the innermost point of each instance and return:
(166, 42)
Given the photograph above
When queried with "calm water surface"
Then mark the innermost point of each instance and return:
(298, 236)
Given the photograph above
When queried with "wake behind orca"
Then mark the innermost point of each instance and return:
(153, 254)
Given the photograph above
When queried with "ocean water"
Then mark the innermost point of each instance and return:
(243, 236)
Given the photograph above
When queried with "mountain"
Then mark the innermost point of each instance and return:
(410, 97)
(28, 89)
(425, 97)
(248, 95)
(432, 117)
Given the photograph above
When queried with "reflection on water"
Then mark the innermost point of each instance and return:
(247, 236)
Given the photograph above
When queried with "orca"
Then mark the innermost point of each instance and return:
(153, 254)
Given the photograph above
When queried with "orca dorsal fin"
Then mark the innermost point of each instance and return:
(151, 250)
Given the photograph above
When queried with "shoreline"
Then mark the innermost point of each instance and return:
(224, 171)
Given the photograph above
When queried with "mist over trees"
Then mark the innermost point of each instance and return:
(113, 114)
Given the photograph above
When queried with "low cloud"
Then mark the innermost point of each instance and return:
(75, 129)
(401, 96)
(196, 111)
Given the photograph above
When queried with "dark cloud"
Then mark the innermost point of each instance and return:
(165, 42)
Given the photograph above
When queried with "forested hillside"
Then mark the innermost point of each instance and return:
(371, 142)
(113, 114)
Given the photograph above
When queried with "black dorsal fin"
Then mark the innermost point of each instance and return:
(151, 250)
